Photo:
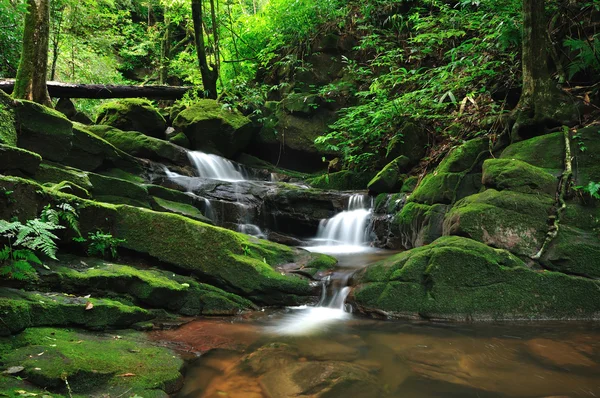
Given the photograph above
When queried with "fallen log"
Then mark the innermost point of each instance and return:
(103, 91)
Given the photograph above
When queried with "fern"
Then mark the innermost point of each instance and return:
(37, 235)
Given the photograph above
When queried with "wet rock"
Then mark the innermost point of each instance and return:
(16, 161)
(8, 132)
(389, 179)
(558, 353)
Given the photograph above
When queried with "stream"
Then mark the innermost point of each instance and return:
(328, 351)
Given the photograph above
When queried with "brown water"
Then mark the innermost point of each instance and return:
(324, 352)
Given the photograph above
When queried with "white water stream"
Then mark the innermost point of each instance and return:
(216, 167)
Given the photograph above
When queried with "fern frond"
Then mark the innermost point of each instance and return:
(72, 220)
(50, 215)
(9, 229)
(5, 253)
(26, 254)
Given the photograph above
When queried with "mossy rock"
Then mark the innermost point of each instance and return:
(410, 141)
(123, 175)
(149, 287)
(56, 173)
(142, 146)
(20, 310)
(575, 252)
(418, 224)
(390, 178)
(67, 108)
(8, 133)
(233, 261)
(91, 152)
(585, 148)
(437, 188)
(181, 140)
(510, 220)
(179, 208)
(43, 130)
(15, 160)
(516, 175)
(546, 151)
(461, 279)
(211, 128)
(93, 364)
(409, 184)
(109, 186)
(345, 180)
(133, 114)
(301, 103)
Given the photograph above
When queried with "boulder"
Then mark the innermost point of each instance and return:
(211, 128)
(124, 365)
(390, 178)
(461, 279)
(301, 103)
(43, 130)
(410, 141)
(15, 160)
(418, 224)
(8, 133)
(67, 108)
(142, 146)
(345, 180)
(516, 175)
(133, 114)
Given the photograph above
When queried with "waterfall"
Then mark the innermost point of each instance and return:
(213, 166)
(347, 228)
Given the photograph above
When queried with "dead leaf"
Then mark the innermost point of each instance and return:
(127, 375)
(13, 370)
(87, 296)
(41, 353)
(89, 306)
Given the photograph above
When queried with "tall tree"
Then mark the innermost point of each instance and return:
(31, 75)
(542, 104)
(210, 73)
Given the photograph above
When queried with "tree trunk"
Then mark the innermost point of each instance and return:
(542, 105)
(209, 75)
(33, 66)
(165, 53)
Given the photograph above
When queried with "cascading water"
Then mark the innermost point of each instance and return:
(213, 166)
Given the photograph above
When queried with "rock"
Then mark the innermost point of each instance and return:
(546, 152)
(345, 180)
(8, 133)
(67, 108)
(181, 140)
(390, 178)
(301, 103)
(179, 208)
(509, 220)
(411, 141)
(142, 146)
(558, 353)
(43, 130)
(458, 278)
(518, 176)
(133, 114)
(117, 365)
(150, 287)
(21, 309)
(15, 160)
(418, 224)
(211, 128)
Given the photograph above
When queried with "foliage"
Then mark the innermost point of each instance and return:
(103, 244)
(11, 33)
(63, 212)
(592, 189)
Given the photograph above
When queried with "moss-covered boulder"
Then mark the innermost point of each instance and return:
(8, 133)
(43, 130)
(92, 364)
(390, 178)
(209, 127)
(148, 287)
(457, 176)
(236, 262)
(181, 140)
(519, 176)
(133, 114)
(458, 278)
(142, 146)
(67, 108)
(546, 151)
(410, 141)
(21, 309)
(301, 103)
(345, 180)
(418, 224)
(510, 220)
(104, 187)
(183, 209)
(17, 161)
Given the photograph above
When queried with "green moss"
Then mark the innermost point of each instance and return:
(516, 175)
(418, 224)
(390, 179)
(93, 364)
(181, 140)
(322, 262)
(301, 103)
(20, 310)
(457, 278)
(511, 220)
(179, 208)
(211, 252)
(109, 186)
(13, 159)
(43, 130)
(410, 141)
(546, 151)
(345, 180)
(140, 145)
(133, 114)
(437, 188)
(464, 157)
(55, 173)
(574, 251)
(210, 127)
(123, 175)
(410, 184)
(8, 133)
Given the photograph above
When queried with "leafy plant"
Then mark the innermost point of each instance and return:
(103, 244)
(63, 212)
(16, 264)
(592, 189)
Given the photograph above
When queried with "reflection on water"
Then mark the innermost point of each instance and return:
(325, 352)
(366, 358)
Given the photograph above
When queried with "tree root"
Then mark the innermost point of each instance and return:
(563, 189)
